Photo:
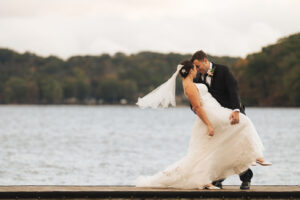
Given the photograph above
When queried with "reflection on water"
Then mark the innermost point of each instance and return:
(112, 145)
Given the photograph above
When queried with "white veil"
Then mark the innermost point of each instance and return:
(162, 96)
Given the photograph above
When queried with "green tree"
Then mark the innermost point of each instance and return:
(15, 90)
(51, 91)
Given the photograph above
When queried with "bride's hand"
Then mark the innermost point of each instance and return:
(211, 131)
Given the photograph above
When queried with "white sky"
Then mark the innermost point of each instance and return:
(79, 27)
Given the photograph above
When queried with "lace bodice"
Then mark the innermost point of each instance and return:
(206, 98)
(203, 90)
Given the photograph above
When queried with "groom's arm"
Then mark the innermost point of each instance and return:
(232, 88)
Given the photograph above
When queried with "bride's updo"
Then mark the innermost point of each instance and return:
(185, 70)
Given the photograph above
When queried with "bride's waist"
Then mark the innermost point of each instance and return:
(208, 100)
(206, 96)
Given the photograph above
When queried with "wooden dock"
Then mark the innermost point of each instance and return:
(131, 192)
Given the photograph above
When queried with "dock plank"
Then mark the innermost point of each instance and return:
(49, 188)
(131, 192)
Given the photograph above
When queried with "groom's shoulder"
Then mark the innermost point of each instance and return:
(221, 67)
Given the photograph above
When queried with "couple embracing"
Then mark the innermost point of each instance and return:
(223, 141)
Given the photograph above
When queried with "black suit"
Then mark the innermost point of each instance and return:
(224, 89)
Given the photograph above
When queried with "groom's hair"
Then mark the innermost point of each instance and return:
(199, 55)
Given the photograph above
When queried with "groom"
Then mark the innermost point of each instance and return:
(223, 87)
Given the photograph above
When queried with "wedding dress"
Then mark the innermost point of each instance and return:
(230, 151)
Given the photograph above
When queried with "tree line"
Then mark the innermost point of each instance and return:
(267, 78)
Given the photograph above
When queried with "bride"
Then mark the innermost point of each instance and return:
(216, 149)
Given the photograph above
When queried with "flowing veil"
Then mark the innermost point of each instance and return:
(162, 96)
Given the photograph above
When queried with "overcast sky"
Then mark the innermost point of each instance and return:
(79, 27)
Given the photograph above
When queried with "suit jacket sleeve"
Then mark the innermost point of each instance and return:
(232, 87)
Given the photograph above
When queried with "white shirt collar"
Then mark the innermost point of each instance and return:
(210, 66)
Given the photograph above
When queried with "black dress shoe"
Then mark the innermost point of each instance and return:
(218, 184)
(245, 185)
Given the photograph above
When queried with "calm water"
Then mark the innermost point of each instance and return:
(112, 145)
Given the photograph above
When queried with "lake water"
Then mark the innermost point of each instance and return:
(112, 145)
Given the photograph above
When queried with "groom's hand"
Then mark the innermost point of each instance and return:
(234, 117)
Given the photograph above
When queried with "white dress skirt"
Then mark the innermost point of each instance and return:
(230, 151)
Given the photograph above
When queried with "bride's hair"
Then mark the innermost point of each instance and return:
(185, 69)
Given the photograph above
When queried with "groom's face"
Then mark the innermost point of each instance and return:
(202, 65)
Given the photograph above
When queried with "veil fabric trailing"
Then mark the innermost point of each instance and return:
(162, 96)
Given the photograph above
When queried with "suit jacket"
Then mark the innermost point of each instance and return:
(223, 87)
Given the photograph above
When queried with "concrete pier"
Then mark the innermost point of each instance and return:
(131, 192)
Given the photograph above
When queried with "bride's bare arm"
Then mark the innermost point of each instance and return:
(193, 95)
